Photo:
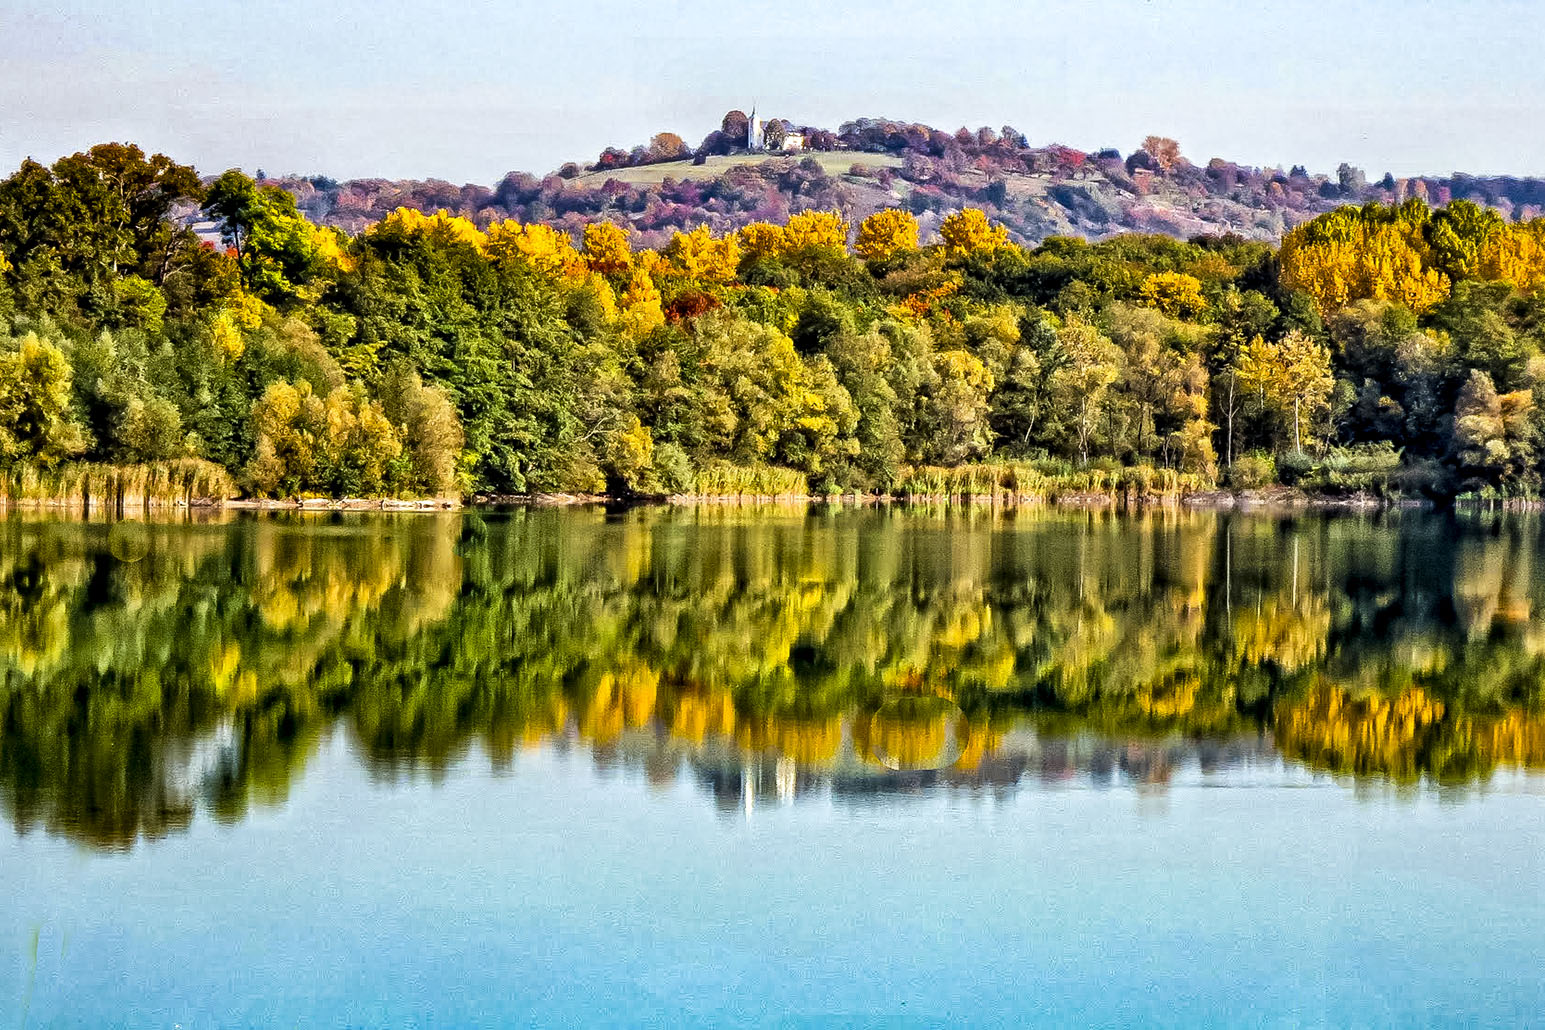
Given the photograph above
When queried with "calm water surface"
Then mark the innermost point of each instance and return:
(771, 766)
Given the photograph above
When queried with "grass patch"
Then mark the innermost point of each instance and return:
(722, 479)
(117, 488)
(1047, 481)
(831, 162)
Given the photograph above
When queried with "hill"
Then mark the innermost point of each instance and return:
(870, 164)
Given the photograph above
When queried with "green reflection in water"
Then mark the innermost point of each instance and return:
(150, 669)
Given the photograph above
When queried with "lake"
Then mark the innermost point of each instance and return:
(772, 765)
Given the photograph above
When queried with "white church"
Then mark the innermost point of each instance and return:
(756, 138)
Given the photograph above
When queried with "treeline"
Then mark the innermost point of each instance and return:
(1383, 348)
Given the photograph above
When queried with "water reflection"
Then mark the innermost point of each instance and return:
(150, 670)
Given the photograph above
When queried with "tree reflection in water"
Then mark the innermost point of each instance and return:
(153, 669)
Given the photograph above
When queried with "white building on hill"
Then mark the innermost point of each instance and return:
(783, 142)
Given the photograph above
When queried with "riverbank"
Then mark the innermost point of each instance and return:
(1264, 500)
(1269, 499)
(345, 504)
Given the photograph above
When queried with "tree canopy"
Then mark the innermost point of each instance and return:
(1383, 347)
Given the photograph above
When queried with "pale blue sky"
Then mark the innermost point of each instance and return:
(468, 89)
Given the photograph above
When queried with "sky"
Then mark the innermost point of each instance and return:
(466, 90)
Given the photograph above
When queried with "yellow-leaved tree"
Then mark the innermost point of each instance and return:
(605, 247)
(329, 243)
(35, 422)
(885, 234)
(442, 226)
(1292, 376)
(1093, 364)
(547, 249)
(815, 229)
(641, 308)
(703, 258)
(1373, 252)
(628, 457)
(338, 445)
(761, 240)
(1306, 378)
(1516, 255)
(967, 233)
(1256, 369)
(1174, 293)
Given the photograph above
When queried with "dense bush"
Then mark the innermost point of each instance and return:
(1371, 468)
(1252, 471)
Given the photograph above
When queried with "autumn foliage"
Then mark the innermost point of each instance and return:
(885, 234)
(1383, 348)
(968, 233)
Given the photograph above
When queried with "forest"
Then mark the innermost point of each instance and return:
(1389, 349)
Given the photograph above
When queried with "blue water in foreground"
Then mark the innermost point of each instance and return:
(558, 892)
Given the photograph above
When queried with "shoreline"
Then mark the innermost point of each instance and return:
(1274, 499)
(1269, 500)
(344, 504)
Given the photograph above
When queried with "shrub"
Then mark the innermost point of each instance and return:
(1046, 479)
(673, 469)
(1294, 468)
(722, 479)
(1361, 467)
(1425, 477)
(179, 481)
(1252, 471)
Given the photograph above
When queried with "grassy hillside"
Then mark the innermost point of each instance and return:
(713, 167)
(1034, 191)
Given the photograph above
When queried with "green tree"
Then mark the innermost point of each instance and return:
(1163, 377)
(431, 435)
(867, 368)
(279, 252)
(35, 422)
(1026, 391)
(1458, 235)
(1494, 434)
(957, 408)
(151, 431)
(1093, 365)
(71, 229)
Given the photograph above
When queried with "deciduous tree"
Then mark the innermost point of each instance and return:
(967, 233)
(885, 234)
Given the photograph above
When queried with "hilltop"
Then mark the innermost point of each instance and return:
(871, 164)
